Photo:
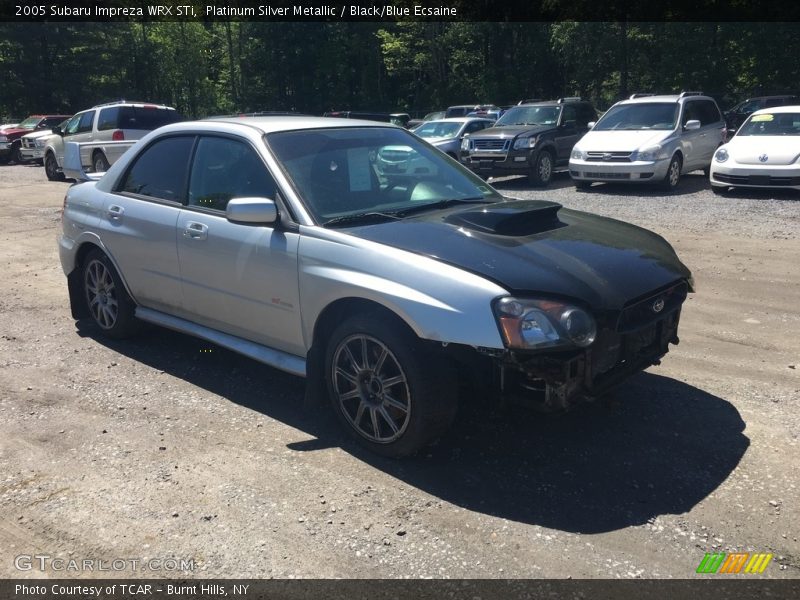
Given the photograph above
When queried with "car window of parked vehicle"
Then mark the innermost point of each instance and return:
(475, 126)
(223, 169)
(569, 114)
(85, 124)
(72, 126)
(690, 112)
(708, 112)
(530, 115)
(646, 115)
(160, 171)
(352, 171)
(438, 129)
(771, 124)
(585, 115)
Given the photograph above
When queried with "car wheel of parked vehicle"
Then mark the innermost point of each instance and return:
(673, 175)
(51, 168)
(99, 162)
(390, 394)
(542, 172)
(110, 306)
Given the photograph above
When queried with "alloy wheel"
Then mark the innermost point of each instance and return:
(101, 295)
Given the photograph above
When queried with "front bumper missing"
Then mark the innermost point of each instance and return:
(556, 382)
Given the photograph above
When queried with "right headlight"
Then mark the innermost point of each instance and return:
(465, 143)
(577, 154)
(531, 324)
(721, 155)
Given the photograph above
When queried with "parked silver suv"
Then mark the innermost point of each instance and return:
(649, 138)
(111, 124)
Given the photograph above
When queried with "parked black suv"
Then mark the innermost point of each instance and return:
(737, 115)
(533, 139)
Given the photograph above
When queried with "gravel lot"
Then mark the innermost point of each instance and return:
(165, 447)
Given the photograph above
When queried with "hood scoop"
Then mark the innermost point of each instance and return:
(516, 218)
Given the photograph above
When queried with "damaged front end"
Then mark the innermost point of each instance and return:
(577, 359)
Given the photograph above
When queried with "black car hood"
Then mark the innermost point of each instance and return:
(536, 247)
(510, 131)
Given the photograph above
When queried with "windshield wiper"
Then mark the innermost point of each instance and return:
(368, 216)
(443, 204)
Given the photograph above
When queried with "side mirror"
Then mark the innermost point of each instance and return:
(692, 125)
(591, 124)
(256, 211)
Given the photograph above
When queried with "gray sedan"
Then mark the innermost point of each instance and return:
(446, 134)
(357, 255)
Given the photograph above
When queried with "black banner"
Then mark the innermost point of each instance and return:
(397, 10)
(711, 588)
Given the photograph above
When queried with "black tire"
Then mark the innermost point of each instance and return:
(16, 155)
(673, 176)
(110, 307)
(542, 170)
(51, 168)
(398, 400)
(583, 185)
(99, 162)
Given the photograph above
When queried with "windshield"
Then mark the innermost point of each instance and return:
(30, 123)
(366, 170)
(647, 115)
(771, 124)
(530, 115)
(438, 129)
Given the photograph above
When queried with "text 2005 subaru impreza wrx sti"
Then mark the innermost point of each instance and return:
(294, 241)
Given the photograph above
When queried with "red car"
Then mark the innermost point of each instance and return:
(10, 138)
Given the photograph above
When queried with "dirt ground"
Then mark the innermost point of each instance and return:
(171, 454)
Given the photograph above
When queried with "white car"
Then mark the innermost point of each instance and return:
(33, 144)
(764, 153)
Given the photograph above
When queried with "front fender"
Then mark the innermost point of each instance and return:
(439, 302)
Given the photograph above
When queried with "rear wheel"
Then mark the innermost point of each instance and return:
(109, 304)
(542, 172)
(51, 168)
(99, 162)
(389, 393)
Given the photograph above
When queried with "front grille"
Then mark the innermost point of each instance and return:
(489, 144)
(608, 156)
(756, 180)
(606, 175)
(643, 312)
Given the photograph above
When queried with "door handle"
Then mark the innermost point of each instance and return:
(195, 230)
(115, 212)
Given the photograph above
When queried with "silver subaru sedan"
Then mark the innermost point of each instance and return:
(356, 255)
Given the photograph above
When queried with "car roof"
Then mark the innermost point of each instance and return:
(131, 103)
(778, 109)
(663, 98)
(284, 123)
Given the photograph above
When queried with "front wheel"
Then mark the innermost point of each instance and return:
(542, 172)
(389, 393)
(51, 168)
(109, 304)
(673, 175)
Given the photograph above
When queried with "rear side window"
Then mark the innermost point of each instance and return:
(108, 118)
(708, 112)
(145, 118)
(160, 171)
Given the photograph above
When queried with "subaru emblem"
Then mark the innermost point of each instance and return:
(763, 158)
(658, 305)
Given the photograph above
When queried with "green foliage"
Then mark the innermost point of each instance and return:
(224, 67)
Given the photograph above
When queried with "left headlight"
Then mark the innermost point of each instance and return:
(651, 153)
(526, 142)
(530, 324)
(577, 154)
(721, 155)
